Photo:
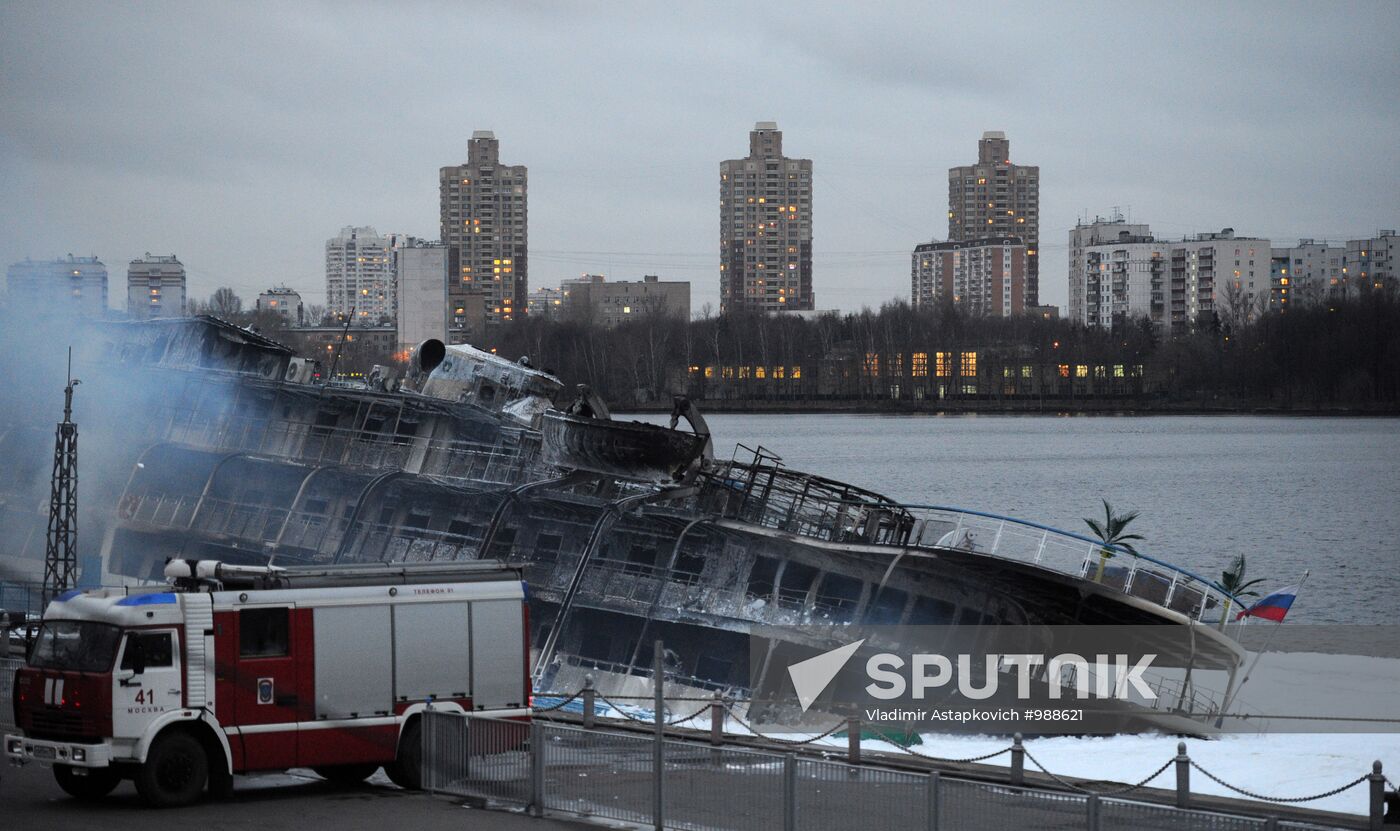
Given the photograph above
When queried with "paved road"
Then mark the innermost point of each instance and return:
(29, 798)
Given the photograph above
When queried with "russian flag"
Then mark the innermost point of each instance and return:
(1272, 606)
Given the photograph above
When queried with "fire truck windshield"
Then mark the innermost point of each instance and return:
(76, 645)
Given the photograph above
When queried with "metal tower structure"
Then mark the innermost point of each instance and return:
(61, 553)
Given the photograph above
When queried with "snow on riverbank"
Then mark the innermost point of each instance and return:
(1282, 765)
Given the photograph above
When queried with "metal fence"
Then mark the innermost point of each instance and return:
(17, 598)
(546, 766)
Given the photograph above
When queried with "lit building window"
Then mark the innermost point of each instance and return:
(943, 364)
(918, 364)
(969, 364)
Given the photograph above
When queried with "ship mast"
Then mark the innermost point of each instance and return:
(61, 552)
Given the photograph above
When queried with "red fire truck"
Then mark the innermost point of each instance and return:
(233, 669)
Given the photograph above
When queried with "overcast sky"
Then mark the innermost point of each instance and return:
(240, 137)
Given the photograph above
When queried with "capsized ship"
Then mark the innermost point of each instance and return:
(214, 442)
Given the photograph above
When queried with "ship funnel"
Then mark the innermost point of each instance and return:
(425, 358)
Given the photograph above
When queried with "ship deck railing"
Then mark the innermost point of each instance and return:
(299, 534)
(1172, 693)
(1134, 574)
(771, 496)
(371, 449)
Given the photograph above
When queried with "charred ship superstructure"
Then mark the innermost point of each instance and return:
(232, 450)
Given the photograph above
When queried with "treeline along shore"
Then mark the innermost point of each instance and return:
(1340, 357)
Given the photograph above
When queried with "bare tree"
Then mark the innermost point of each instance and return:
(225, 303)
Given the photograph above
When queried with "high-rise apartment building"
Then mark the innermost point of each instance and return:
(285, 303)
(1374, 263)
(1305, 273)
(67, 286)
(155, 287)
(765, 227)
(985, 277)
(483, 209)
(359, 276)
(1124, 280)
(1217, 276)
(1085, 297)
(995, 198)
(1119, 273)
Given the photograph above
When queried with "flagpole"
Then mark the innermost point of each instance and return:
(1262, 649)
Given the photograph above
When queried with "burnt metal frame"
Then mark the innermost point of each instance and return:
(609, 515)
(61, 549)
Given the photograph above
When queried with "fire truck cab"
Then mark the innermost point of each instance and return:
(235, 669)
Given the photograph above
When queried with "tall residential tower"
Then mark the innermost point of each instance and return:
(483, 212)
(359, 275)
(995, 198)
(765, 227)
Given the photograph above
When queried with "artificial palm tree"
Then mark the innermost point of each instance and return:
(1232, 580)
(1112, 532)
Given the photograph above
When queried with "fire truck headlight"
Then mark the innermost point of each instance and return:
(79, 755)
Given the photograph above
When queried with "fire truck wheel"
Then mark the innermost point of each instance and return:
(407, 770)
(346, 774)
(95, 784)
(175, 771)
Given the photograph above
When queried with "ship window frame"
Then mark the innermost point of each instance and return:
(794, 594)
(842, 601)
(770, 566)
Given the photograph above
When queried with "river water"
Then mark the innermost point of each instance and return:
(1291, 494)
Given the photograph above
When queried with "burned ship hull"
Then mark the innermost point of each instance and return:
(250, 467)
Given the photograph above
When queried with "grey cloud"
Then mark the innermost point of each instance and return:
(216, 130)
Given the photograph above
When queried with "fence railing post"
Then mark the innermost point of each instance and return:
(1018, 760)
(590, 702)
(933, 784)
(1092, 809)
(658, 793)
(1377, 796)
(790, 792)
(537, 768)
(853, 740)
(1183, 776)
(717, 720)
